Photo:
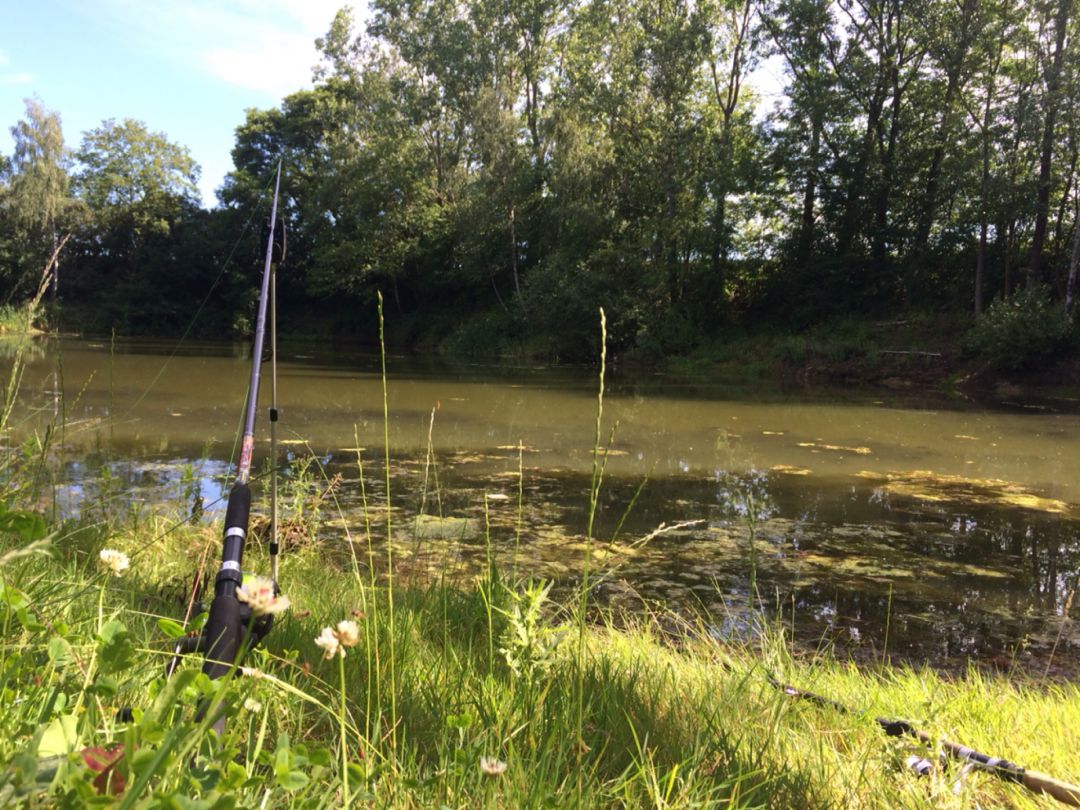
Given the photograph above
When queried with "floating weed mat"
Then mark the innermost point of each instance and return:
(926, 485)
(487, 698)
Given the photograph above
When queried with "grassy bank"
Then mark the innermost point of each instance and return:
(448, 686)
(918, 349)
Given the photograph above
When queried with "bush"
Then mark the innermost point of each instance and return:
(1026, 329)
(12, 319)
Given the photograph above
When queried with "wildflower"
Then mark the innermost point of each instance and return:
(492, 766)
(116, 561)
(252, 705)
(250, 672)
(348, 633)
(261, 594)
(330, 643)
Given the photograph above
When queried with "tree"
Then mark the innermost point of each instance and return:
(798, 30)
(136, 182)
(1052, 102)
(140, 189)
(36, 196)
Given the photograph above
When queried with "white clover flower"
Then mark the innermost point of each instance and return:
(116, 562)
(492, 766)
(252, 705)
(330, 643)
(259, 593)
(347, 633)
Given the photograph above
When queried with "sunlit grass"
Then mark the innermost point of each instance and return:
(667, 716)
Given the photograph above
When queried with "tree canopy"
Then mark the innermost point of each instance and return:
(499, 169)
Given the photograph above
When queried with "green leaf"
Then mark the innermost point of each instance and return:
(281, 754)
(105, 685)
(142, 759)
(60, 652)
(234, 777)
(116, 650)
(30, 526)
(459, 720)
(357, 775)
(292, 780)
(170, 628)
(155, 717)
(285, 772)
(61, 737)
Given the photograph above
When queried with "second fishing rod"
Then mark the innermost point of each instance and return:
(231, 624)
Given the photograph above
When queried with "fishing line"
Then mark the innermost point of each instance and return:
(198, 312)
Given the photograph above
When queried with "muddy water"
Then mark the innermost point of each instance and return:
(920, 526)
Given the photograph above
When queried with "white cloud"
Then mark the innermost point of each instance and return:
(313, 16)
(12, 79)
(263, 45)
(273, 61)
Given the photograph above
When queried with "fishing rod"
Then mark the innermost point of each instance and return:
(1009, 771)
(234, 624)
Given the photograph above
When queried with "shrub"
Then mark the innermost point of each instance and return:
(1025, 329)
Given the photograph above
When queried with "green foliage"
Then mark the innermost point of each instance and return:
(1018, 332)
(498, 171)
(128, 173)
(529, 642)
(12, 320)
(39, 181)
(35, 203)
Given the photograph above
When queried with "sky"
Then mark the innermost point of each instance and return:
(188, 68)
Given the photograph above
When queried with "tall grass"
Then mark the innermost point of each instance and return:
(667, 716)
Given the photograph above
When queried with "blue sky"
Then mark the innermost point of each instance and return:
(188, 68)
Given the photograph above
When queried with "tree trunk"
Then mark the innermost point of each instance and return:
(719, 226)
(1036, 266)
(954, 69)
(1063, 205)
(881, 206)
(926, 218)
(980, 267)
(1010, 242)
(984, 208)
(984, 182)
(806, 227)
(853, 201)
(1074, 266)
(514, 260)
(55, 268)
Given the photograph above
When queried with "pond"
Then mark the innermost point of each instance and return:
(919, 526)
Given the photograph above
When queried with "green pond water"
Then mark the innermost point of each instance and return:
(922, 526)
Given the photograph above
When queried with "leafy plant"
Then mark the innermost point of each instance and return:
(1016, 332)
(529, 642)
